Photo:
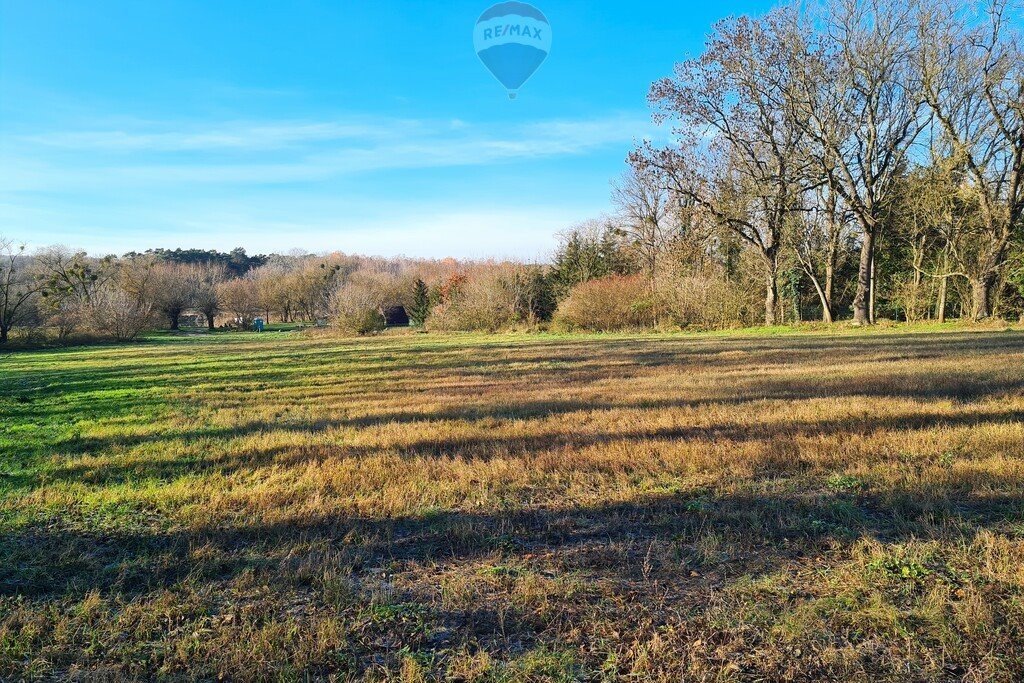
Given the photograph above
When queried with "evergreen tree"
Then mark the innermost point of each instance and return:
(588, 254)
(421, 304)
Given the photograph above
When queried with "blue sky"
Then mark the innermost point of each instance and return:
(353, 125)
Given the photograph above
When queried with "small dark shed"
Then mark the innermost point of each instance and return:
(395, 316)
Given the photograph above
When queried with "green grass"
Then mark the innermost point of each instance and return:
(830, 504)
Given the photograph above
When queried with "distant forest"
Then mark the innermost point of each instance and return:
(236, 262)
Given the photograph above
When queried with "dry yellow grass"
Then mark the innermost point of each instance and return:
(799, 507)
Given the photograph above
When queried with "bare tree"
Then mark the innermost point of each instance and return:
(645, 216)
(973, 78)
(18, 286)
(240, 298)
(859, 91)
(313, 283)
(740, 158)
(206, 299)
(173, 290)
(275, 290)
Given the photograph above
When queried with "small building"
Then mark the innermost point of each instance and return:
(395, 316)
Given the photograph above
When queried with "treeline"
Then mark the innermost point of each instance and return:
(848, 161)
(604, 276)
(235, 262)
(62, 294)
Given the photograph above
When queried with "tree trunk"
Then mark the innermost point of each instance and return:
(871, 307)
(771, 298)
(940, 307)
(862, 299)
(826, 305)
(209, 321)
(3, 334)
(652, 285)
(828, 314)
(981, 290)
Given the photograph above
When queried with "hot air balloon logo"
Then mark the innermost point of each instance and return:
(512, 39)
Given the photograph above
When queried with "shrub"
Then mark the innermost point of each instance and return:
(356, 306)
(709, 302)
(491, 297)
(119, 314)
(616, 302)
(64, 315)
(360, 320)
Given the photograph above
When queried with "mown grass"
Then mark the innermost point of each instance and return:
(506, 508)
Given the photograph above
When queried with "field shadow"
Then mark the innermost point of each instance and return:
(122, 469)
(757, 533)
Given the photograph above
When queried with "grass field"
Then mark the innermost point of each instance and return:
(516, 508)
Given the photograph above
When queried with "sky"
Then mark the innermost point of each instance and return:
(361, 126)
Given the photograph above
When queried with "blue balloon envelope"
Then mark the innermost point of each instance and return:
(512, 39)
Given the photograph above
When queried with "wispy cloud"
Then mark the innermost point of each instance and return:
(291, 151)
(360, 135)
(237, 136)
